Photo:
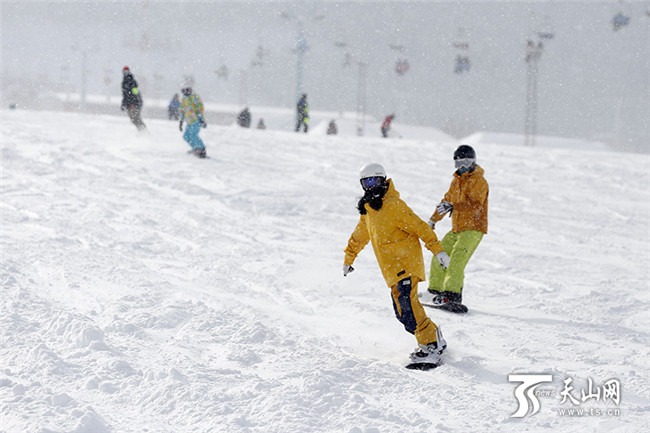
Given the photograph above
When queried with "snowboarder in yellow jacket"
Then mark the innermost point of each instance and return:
(467, 202)
(395, 232)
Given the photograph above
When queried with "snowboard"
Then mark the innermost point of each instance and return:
(422, 366)
(198, 155)
(452, 307)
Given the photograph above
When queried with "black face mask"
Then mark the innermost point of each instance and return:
(374, 197)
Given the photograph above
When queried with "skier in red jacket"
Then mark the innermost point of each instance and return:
(385, 127)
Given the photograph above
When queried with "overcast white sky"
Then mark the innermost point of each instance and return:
(594, 82)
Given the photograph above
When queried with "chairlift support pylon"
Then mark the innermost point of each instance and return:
(461, 44)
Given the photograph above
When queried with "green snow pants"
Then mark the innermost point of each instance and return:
(460, 247)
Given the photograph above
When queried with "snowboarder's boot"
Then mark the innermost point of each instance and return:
(446, 297)
(450, 301)
(425, 357)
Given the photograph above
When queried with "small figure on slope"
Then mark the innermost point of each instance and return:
(331, 128)
(385, 126)
(132, 99)
(467, 203)
(303, 113)
(173, 110)
(192, 115)
(395, 232)
(244, 118)
(261, 124)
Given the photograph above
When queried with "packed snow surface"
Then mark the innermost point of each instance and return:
(146, 290)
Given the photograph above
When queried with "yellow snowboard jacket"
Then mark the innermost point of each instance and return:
(395, 232)
(469, 195)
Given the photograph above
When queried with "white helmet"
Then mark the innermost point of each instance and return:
(372, 170)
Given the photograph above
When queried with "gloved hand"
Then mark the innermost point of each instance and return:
(431, 224)
(443, 259)
(202, 122)
(444, 207)
(180, 125)
(347, 269)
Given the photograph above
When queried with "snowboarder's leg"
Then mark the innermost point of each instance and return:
(410, 312)
(464, 247)
(138, 119)
(191, 135)
(187, 135)
(436, 273)
(133, 115)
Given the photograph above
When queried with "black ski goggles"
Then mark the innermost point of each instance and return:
(372, 182)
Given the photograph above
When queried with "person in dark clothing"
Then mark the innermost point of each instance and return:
(303, 113)
(331, 128)
(132, 99)
(385, 127)
(173, 110)
(244, 118)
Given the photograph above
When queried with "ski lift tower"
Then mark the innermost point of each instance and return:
(301, 47)
(347, 62)
(533, 54)
(361, 98)
(84, 75)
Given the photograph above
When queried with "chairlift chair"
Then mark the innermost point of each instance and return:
(619, 21)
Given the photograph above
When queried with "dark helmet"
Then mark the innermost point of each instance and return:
(465, 152)
(464, 159)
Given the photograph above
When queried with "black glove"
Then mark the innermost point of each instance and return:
(202, 122)
(180, 126)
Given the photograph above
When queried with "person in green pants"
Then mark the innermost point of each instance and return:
(467, 203)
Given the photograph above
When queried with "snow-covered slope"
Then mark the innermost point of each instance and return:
(145, 290)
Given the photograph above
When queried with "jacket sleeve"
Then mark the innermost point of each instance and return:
(408, 221)
(358, 240)
(476, 196)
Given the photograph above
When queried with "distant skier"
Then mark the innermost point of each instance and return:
(331, 128)
(395, 232)
(467, 203)
(132, 99)
(260, 124)
(303, 113)
(192, 114)
(173, 110)
(385, 127)
(244, 118)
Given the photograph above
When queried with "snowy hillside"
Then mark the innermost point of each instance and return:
(145, 290)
